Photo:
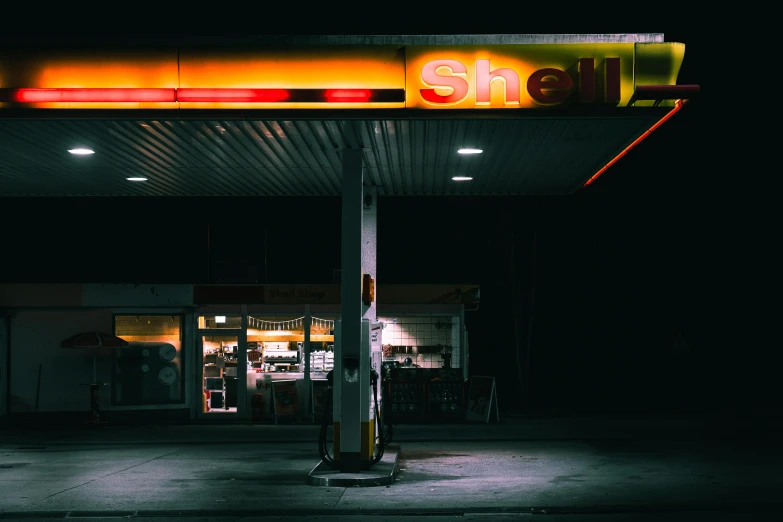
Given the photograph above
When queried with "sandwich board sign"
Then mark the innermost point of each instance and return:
(284, 401)
(482, 399)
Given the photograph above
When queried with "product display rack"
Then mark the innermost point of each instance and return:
(445, 400)
(407, 401)
(424, 395)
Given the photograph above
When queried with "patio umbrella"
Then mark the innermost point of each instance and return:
(94, 341)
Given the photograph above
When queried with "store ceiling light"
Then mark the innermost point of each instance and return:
(136, 179)
(462, 178)
(470, 151)
(81, 151)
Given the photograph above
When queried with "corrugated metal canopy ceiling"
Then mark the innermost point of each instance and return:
(292, 156)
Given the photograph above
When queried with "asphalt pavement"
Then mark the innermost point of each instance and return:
(570, 469)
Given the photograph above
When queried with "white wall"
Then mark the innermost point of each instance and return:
(35, 340)
(422, 331)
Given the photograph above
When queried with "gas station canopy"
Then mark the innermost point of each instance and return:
(270, 116)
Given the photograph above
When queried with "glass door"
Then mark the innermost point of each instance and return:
(223, 365)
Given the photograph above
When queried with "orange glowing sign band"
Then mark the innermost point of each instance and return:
(204, 95)
(638, 140)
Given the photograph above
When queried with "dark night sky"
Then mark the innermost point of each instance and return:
(658, 245)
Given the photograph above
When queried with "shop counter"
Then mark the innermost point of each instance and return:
(260, 392)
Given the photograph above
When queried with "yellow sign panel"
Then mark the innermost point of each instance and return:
(658, 64)
(518, 76)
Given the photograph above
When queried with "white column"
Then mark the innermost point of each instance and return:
(347, 362)
(373, 350)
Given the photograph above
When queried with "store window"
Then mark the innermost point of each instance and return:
(220, 322)
(150, 370)
(275, 343)
(422, 341)
(321, 346)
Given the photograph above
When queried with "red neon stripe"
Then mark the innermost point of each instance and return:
(214, 95)
(233, 95)
(94, 95)
(347, 95)
(668, 115)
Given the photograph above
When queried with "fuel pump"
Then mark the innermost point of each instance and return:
(354, 406)
(383, 434)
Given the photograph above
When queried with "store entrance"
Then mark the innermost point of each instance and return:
(223, 369)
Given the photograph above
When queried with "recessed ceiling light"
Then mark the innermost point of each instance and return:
(462, 178)
(81, 151)
(470, 151)
(136, 179)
